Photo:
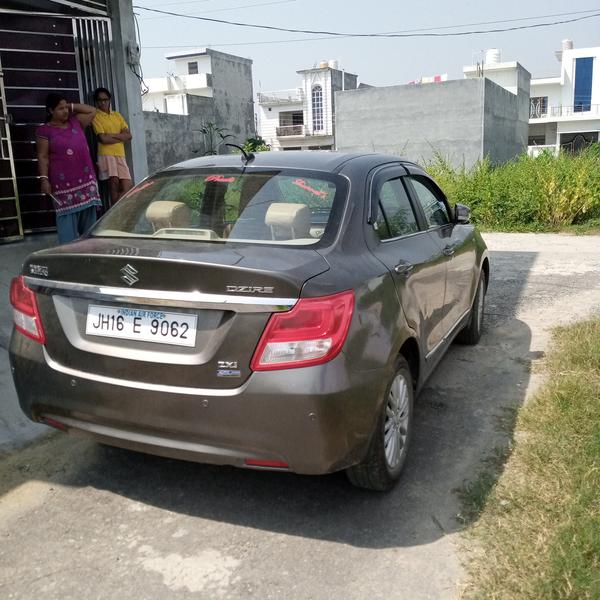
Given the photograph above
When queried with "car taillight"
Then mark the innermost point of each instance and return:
(26, 315)
(313, 332)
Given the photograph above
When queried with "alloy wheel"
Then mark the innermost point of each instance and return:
(396, 421)
(480, 304)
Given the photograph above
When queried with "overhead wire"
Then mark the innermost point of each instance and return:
(179, 3)
(239, 7)
(442, 27)
(428, 33)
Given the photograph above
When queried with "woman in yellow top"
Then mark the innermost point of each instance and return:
(112, 130)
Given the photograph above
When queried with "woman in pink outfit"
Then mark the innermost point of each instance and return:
(65, 166)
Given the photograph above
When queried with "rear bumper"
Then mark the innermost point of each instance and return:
(316, 419)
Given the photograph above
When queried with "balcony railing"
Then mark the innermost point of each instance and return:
(566, 111)
(281, 97)
(288, 130)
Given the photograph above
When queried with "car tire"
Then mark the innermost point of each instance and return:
(387, 452)
(472, 332)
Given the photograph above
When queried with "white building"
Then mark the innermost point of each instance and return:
(189, 73)
(303, 118)
(505, 74)
(208, 86)
(565, 110)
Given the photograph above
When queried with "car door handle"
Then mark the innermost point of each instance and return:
(403, 268)
(449, 250)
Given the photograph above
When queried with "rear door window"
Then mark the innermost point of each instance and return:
(395, 215)
(432, 203)
(230, 206)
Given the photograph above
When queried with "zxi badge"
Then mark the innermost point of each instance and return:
(228, 368)
(128, 274)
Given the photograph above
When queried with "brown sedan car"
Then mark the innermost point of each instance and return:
(272, 312)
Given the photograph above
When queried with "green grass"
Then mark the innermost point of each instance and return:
(546, 193)
(590, 227)
(535, 529)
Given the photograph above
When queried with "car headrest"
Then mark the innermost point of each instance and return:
(288, 220)
(168, 213)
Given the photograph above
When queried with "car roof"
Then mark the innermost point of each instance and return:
(317, 160)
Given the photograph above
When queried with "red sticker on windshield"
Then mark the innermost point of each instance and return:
(220, 179)
(143, 186)
(302, 184)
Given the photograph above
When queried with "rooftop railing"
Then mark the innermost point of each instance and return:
(281, 96)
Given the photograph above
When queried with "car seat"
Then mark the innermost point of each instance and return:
(168, 213)
(288, 221)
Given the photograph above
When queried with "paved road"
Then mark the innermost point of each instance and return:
(78, 520)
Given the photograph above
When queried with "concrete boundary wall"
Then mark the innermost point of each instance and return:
(173, 138)
(462, 120)
(233, 95)
(506, 119)
(415, 121)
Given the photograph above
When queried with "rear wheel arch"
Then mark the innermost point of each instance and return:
(485, 267)
(384, 461)
(410, 351)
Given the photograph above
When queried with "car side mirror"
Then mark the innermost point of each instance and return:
(462, 214)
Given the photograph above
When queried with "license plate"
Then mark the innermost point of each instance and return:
(144, 325)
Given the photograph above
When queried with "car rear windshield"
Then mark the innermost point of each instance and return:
(300, 208)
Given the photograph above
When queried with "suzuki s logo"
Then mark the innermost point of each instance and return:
(128, 275)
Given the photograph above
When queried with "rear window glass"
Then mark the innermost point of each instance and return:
(259, 207)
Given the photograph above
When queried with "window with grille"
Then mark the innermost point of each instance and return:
(538, 107)
(287, 118)
(193, 68)
(317, 108)
(536, 140)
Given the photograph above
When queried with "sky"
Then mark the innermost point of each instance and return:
(378, 62)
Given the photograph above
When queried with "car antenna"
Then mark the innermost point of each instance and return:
(246, 156)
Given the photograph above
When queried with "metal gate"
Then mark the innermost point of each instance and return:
(40, 54)
(93, 45)
(10, 219)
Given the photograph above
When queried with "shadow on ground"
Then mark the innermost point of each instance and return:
(460, 419)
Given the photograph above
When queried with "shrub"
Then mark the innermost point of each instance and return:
(545, 192)
(256, 144)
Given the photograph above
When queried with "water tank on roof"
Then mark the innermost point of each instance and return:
(333, 63)
(492, 56)
(567, 45)
(323, 64)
